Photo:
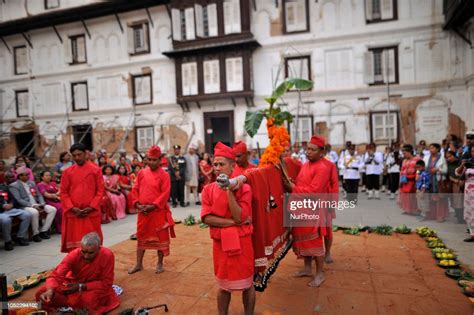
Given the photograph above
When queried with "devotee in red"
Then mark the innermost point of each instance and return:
(154, 222)
(308, 240)
(229, 213)
(83, 280)
(241, 159)
(81, 192)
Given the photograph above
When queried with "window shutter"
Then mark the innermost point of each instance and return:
(368, 10)
(388, 66)
(130, 41)
(386, 9)
(146, 37)
(369, 67)
(290, 14)
(228, 21)
(300, 15)
(23, 106)
(176, 20)
(185, 78)
(81, 48)
(234, 74)
(211, 76)
(190, 34)
(22, 60)
(236, 16)
(199, 20)
(212, 19)
(193, 78)
(67, 45)
(80, 96)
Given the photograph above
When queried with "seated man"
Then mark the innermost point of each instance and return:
(8, 210)
(28, 197)
(83, 280)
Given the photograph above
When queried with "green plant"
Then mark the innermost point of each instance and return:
(253, 120)
(190, 220)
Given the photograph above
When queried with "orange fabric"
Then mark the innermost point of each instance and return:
(97, 275)
(313, 178)
(81, 187)
(154, 229)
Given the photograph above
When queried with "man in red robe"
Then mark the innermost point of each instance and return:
(229, 213)
(154, 221)
(241, 159)
(82, 189)
(83, 280)
(308, 240)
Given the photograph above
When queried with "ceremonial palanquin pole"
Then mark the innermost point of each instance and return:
(270, 238)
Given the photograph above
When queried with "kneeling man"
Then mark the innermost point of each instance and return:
(83, 280)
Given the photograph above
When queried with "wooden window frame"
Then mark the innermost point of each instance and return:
(145, 37)
(296, 58)
(133, 88)
(47, 7)
(397, 131)
(396, 65)
(136, 136)
(73, 98)
(73, 39)
(380, 20)
(16, 102)
(285, 31)
(15, 61)
(312, 127)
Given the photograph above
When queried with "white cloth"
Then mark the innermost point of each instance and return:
(373, 164)
(440, 165)
(333, 157)
(350, 165)
(390, 162)
(50, 215)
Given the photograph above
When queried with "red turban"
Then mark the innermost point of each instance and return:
(222, 150)
(154, 151)
(319, 141)
(240, 147)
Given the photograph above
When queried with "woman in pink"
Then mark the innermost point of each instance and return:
(50, 192)
(112, 190)
(407, 197)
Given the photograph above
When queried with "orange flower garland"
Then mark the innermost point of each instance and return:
(279, 139)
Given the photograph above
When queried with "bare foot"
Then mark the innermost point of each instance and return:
(317, 281)
(159, 269)
(303, 273)
(134, 269)
(328, 259)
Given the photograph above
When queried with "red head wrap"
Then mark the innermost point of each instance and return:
(154, 151)
(222, 150)
(319, 141)
(240, 147)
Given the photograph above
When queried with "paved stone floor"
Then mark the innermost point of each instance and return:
(40, 256)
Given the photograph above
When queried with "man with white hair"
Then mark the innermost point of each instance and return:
(192, 174)
(83, 280)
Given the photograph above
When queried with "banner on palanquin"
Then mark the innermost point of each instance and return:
(270, 238)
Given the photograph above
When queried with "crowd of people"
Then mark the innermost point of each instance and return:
(85, 189)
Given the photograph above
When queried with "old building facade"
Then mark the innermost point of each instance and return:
(134, 73)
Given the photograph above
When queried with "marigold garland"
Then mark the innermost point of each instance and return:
(279, 140)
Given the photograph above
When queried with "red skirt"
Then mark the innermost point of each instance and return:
(74, 229)
(235, 272)
(307, 242)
